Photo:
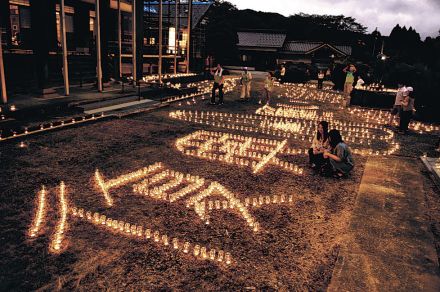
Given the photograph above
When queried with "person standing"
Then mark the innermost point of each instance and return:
(282, 73)
(218, 84)
(349, 80)
(320, 79)
(397, 107)
(407, 110)
(246, 80)
(268, 86)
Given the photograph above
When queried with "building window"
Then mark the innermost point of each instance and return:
(69, 11)
(20, 2)
(92, 16)
(152, 41)
(25, 17)
(20, 18)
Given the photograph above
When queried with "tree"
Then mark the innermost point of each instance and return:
(222, 38)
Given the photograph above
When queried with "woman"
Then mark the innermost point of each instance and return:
(407, 110)
(268, 86)
(246, 82)
(340, 158)
(349, 80)
(319, 145)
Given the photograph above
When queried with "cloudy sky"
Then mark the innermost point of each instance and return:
(423, 15)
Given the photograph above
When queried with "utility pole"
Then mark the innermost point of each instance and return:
(98, 44)
(188, 44)
(2, 72)
(160, 41)
(133, 22)
(120, 39)
(176, 36)
(64, 47)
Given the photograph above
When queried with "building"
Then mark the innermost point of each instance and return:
(268, 49)
(31, 37)
(260, 49)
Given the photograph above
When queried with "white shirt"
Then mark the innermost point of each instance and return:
(399, 96)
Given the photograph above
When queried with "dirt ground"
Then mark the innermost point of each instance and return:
(296, 248)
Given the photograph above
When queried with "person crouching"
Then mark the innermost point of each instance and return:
(339, 158)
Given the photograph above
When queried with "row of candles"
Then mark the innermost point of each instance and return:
(58, 237)
(138, 231)
(175, 179)
(254, 202)
(123, 180)
(371, 115)
(149, 187)
(237, 149)
(354, 132)
(297, 93)
(305, 114)
(328, 116)
(203, 87)
(257, 119)
(40, 213)
(53, 125)
(216, 188)
(297, 107)
(383, 117)
(155, 77)
(58, 242)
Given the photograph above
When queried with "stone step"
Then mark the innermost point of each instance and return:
(121, 106)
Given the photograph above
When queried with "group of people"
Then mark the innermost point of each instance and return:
(403, 108)
(329, 155)
(246, 85)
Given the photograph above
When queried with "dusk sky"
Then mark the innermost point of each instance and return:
(423, 15)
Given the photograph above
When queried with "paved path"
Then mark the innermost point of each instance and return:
(389, 245)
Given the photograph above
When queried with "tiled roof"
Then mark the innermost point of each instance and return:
(302, 47)
(345, 49)
(261, 39)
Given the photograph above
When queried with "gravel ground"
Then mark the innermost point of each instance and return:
(296, 248)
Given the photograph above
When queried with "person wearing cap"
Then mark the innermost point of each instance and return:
(218, 84)
(246, 79)
(397, 107)
(407, 110)
(349, 80)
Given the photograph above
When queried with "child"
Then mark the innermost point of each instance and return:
(319, 145)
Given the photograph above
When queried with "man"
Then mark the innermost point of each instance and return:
(246, 78)
(320, 79)
(397, 108)
(349, 80)
(218, 84)
(406, 112)
(282, 73)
